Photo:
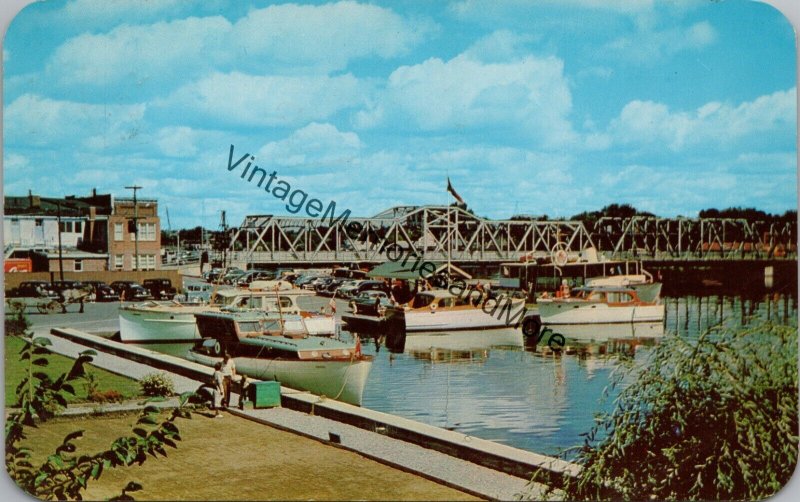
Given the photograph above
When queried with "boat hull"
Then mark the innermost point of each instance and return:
(342, 380)
(568, 312)
(144, 325)
(463, 318)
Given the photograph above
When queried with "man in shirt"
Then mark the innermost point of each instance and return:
(228, 372)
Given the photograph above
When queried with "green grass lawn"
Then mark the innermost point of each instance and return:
(16, 369)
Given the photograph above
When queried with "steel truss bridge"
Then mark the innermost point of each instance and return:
(434, 232)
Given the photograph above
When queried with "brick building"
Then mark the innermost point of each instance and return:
(122, 239)
(96, 232)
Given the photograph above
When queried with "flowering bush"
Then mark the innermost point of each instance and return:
(157, 384)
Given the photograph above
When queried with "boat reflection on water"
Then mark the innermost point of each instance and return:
(463, 346)
(598, 339)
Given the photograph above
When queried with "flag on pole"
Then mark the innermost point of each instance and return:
(332, 305)
(453, 191)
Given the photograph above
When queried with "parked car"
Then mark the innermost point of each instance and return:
(102, 292)
(233, 275)
(130, 290)
(160, 289)
(305, 279)
(370, 286)
(213, 274)
(371, 302)
(347, 289)
(59, 286)
(331, 288)
(321, 283)
(255, 275)
(35, 289)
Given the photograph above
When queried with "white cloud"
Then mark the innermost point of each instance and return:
(36, 120)
(647, 122)
(140, 55)
(529, 97)
(651, 45)
(177, 141)
(282, 38)
(103, 11)
(241, 99)
(326, 36)
(315, 145)
(15, 162)
(499, 46)
(481, 7)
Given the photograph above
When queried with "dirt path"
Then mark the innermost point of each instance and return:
(234, 459)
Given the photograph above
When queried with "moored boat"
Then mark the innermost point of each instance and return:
(263, 348)
(174, 321)
(599, 305)
(440, 310)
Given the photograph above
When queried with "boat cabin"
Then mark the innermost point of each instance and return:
(535, 278)
(607, 295)
(442, 299)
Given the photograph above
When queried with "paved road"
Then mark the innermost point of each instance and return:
(96, 318)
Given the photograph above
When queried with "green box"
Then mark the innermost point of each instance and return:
(265, 394)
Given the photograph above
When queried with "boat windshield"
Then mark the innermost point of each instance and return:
(619, 297)
(423, 300)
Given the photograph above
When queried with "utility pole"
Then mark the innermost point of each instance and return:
(60, 255)
(135, 226)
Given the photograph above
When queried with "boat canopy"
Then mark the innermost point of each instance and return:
(410, 270)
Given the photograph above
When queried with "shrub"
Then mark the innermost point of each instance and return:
(715, 418)
(157, 384)
(108, 396)
(17, 323)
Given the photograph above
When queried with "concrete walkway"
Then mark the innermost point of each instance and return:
(446, 469)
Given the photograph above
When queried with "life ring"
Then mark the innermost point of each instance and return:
(531, 325)
(433, 307)
(217, 349)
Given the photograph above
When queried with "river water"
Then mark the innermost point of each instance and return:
(490, 385)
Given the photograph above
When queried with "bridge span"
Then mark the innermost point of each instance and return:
(438, 232)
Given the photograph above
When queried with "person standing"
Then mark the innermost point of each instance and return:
(219, 389)
(228, 372)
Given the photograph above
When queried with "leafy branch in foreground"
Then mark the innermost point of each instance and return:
(714, 418)
(64, 475)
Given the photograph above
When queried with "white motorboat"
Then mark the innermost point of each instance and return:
(440, 310)
(173, 322)
(599, 305)
(262, 347)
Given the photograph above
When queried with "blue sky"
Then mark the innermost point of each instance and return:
(536, 107)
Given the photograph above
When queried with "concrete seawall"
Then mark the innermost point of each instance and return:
(496, 456)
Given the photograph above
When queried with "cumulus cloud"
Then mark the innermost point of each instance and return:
(326, 36)
(315, 145)
(241, 99)
(140, 55)
(104, 12)
(177, 141)
(650, 45)
(529, 97)
(40, 121)
(281, 39)
(713, 124)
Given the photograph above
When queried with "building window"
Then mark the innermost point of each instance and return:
(78, 227)
(147, 262)
(65, 226)
(119, 262)
(147, 231)
(118, 235)
(39, 222)
(78, 267)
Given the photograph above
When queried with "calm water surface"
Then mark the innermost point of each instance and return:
(488, 384)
